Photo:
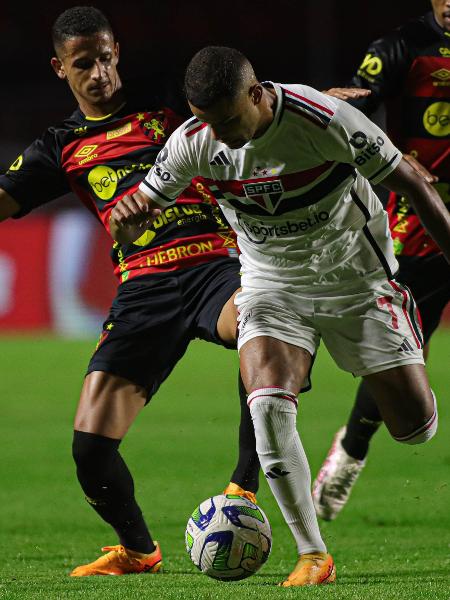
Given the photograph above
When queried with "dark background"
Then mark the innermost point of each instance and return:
(319, 42)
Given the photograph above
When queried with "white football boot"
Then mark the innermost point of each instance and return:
(335, 479)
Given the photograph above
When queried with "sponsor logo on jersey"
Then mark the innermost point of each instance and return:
(158, 170)
(265, 193)
(16, 164)
(80, 130)
(436, 119)
(443, 77)
(162, 156)
(370, 67)
(360, 140)
(176, 253)
(115, 133)
(179, 213)
(87, 153)
(259, 233)
(104, 179)
(161, 173)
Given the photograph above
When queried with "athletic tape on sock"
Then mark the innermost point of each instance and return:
(423, 433)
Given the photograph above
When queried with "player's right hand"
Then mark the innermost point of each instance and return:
(135, 209)
(347, 93)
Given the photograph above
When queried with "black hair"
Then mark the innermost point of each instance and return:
(213, 73)
(79, 21)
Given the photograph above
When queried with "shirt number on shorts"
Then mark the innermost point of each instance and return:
(386, 301)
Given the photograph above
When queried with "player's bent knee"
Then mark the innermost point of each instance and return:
(92, 452)
(424, 433)
(273, 412)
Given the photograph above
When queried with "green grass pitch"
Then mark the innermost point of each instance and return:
(391, 542)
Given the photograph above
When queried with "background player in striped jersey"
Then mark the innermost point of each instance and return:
(317, 258)
(177, 277)
(409, 70)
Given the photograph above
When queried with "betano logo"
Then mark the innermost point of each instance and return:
(103, 179)
(16, 164)
(436, 119)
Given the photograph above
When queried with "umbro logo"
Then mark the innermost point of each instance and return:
(275, 473)
(405, 346)
(220, 160)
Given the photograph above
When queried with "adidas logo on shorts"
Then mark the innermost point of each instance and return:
(405, 346)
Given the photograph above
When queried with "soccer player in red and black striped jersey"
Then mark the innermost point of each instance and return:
(177, 280)
(409, 71)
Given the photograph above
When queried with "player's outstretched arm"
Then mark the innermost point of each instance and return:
(8, 206)
(427, 203)
(131, 216)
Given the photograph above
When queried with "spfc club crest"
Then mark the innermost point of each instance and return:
(265, 193)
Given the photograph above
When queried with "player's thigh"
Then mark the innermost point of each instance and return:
(403, 397)
(142, 340)
(267, 362)
(208, 292)
(108, 404)
(276, 339)
(371, 330)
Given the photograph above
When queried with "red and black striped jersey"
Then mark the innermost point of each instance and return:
(101, 160)
(409, 71)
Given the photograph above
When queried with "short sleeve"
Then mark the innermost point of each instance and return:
(172, 172)
(35, 177)
(352, 138)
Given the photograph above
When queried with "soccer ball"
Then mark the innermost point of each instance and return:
(228, 537)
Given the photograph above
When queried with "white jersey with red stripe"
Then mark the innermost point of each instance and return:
(299, 197)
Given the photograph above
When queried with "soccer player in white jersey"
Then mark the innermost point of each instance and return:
(291, 169)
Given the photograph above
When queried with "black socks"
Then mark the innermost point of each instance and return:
(364, 421)
(246, 473)
(109, 488)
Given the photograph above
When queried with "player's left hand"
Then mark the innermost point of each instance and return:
(417, 166)
(347, 93)
(135, 209)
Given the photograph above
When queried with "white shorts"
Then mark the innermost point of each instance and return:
(365, 332)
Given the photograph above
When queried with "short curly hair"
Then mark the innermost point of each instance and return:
(79, 21)
(213, 73)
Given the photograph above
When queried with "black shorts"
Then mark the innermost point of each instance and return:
(154, 317)
(428, 278)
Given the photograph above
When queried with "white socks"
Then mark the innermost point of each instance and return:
(284, 463)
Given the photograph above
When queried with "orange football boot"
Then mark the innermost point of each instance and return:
(233, 489)
(315, 568)
(121, 561)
